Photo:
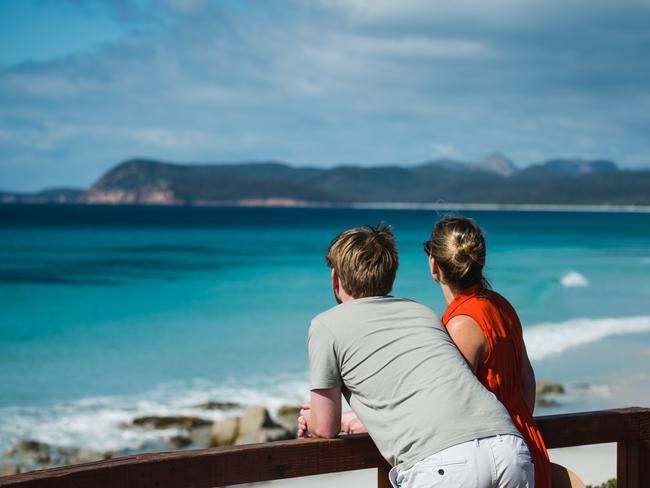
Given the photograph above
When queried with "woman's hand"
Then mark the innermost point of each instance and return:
(303, 420)
(350, 424)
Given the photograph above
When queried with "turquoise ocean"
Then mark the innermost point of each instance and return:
(112, 312)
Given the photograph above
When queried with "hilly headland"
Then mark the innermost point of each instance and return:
(492, 180)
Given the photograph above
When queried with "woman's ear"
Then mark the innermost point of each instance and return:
(434, 269)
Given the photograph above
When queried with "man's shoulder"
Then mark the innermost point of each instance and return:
(363, 307)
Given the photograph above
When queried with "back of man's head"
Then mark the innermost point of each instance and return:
(365, 259)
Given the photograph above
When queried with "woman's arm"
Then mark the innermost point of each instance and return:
(529, 386)
(468, 337)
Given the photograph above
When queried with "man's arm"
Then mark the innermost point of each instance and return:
(323, 418)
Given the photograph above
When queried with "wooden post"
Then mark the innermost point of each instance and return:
(627, 461)
(633, 464)
(633, 456)
(382, 476)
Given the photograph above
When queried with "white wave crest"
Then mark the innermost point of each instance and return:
(573, 279)
(548, 339)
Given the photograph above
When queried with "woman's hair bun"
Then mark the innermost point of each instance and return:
(471, 246)
(458, 246)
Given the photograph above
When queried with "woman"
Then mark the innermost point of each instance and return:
(486, 328)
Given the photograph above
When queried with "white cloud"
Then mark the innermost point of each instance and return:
(363, 81)
(417, 47)
(426, 10)
(175, 139)
(187, 6)
(442, 150)
(48, 85)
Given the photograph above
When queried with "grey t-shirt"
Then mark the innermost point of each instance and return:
(403, 376)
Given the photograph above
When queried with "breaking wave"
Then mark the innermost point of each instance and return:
(573, 279)
(548, 339)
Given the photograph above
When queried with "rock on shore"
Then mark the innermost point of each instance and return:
(546, 388)
(212, 405)
(178, 422)
(253, 426)
(10, 469)
(40, 453)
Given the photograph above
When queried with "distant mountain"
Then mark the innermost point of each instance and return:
(52, 195)
(574, 166)
(494, 163)
(492, 180)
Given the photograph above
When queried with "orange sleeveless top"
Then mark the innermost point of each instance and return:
(501, 369)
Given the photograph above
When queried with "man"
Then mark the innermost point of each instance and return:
(404, 378)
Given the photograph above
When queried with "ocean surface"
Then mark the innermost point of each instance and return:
(109, 313)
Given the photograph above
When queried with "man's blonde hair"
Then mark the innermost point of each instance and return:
(365, 259)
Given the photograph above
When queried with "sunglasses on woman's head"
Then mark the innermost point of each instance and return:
(427, 247)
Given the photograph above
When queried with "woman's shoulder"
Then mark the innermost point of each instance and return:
(486, 301)
(500, 301)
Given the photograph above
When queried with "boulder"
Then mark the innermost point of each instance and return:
(179, 442)
(180, 422)
(9, 469)
(256, 425)
(254, 419)
(225, 432)
(546, 402)
(42, 453)
(73, 455)
(35, 451)
(211, 405)
(287, 417)
(201, 435)
(268, 434)
(549, 388)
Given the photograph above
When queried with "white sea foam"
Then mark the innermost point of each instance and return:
(573, 279)
(95, 423)
(548, 339)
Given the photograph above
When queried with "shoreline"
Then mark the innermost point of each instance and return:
(286, 203)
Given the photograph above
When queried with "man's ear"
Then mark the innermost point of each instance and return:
(335, 280)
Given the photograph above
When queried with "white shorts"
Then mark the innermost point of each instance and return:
(501, 461)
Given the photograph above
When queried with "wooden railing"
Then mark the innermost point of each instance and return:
(206, 468)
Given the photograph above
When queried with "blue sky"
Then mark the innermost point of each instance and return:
(85, 84)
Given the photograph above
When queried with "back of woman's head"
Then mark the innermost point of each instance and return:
(458, 246)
